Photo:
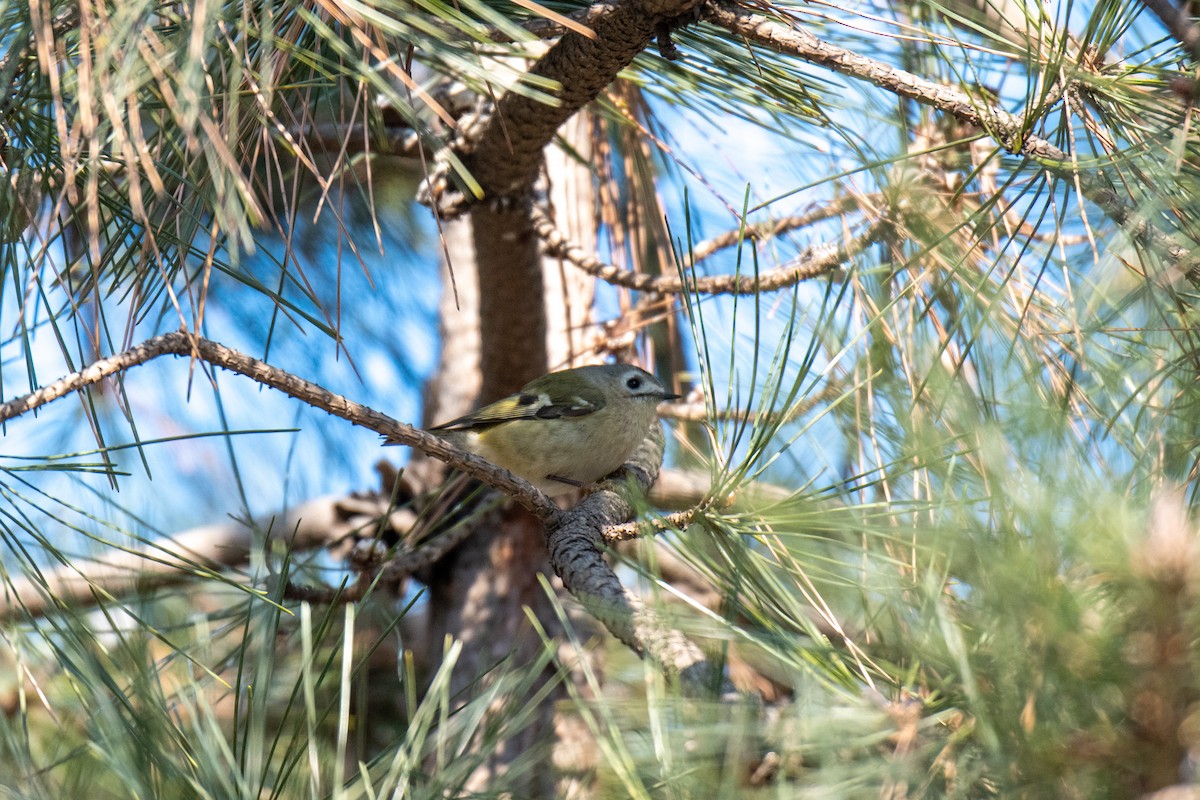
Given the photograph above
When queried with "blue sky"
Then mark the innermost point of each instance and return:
(388, 318)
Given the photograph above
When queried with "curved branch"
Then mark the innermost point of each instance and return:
(1010, 130)
(572, 537)
(792, 39)
(815, 261)
(574, 544)
(181, 343)
(503, 151)
(775, 228)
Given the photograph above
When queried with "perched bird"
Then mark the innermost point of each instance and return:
(566, 429)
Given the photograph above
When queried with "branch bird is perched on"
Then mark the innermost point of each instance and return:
(566, 429)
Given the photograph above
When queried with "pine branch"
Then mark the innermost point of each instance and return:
(815, 261)
(181, 343)
(572, 537)
(769, 230)
(1010, 130)
(197, 551)
(574, 543)
(628, 531)
(503, 151)
(792, 39)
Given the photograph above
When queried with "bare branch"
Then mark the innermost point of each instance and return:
(321, 523)
(769, 230)
(815, 261)
(1010, 130)
(181, 343)
(177, 558)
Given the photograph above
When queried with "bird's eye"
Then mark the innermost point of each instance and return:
(634, 383)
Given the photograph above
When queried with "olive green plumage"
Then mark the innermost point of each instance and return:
(565, 429)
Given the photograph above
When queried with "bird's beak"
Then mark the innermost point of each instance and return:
(669, 396)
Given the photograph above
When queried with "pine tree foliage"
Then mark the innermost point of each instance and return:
(926, 269)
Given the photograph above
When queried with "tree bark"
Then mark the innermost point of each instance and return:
(530, 310)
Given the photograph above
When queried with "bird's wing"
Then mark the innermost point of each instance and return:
(523, 405)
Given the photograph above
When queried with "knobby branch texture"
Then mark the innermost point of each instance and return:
(181, 343)
(628, 531)
(503, 153)
(1012, 131)
(758, 233)
(574, 541)
(817, 260)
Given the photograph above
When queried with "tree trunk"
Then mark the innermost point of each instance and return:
(516, 316)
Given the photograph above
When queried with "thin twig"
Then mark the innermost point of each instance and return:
(1010, 130)
(181, 343)
(769, 230)
(815, 261)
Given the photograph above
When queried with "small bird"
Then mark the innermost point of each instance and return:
(564, 430)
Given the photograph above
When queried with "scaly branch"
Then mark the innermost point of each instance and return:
(815, 261)
(574, 543)
(503, 151)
